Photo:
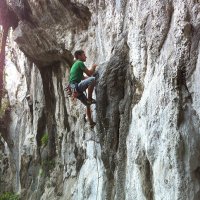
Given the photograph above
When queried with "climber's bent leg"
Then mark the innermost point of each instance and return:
(84, 84)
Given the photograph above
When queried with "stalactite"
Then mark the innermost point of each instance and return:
(2, 63)
(2, 59)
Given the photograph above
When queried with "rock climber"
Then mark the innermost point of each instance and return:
(79, 83)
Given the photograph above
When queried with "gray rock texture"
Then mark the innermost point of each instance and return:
(146, 141)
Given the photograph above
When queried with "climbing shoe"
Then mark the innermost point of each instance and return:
(91, 101)
(92, 124)
(83, 99)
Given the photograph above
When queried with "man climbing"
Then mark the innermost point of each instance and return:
(79, 83)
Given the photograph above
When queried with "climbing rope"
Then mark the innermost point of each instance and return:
(95, 149)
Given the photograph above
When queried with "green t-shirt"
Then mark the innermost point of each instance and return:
(76, 72)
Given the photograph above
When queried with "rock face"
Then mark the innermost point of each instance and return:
(146, 141)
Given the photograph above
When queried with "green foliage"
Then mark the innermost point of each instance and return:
(47, 166)
(4, 106)
(44, 139)
(41, 172)
(9, 196)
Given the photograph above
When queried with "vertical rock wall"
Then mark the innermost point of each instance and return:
(146, 141)
(162, 145)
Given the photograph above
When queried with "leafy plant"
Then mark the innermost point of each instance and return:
(9, 196)
(44, 139)
(48, 164)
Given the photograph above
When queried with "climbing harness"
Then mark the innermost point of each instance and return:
(72, 90)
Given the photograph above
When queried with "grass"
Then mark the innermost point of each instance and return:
(9, 196)
(44, 139)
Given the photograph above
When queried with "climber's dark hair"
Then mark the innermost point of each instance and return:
(78, 53)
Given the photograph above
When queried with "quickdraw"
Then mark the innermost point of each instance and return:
(71, 90)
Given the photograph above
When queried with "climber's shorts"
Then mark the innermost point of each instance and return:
(83, 85)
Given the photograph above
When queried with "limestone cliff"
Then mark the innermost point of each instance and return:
(146, 141)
